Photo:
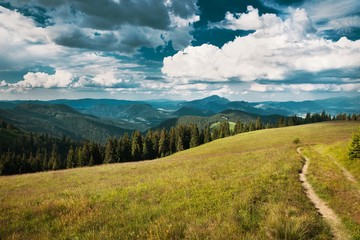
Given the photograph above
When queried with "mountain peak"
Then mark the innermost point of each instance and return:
(216, 98)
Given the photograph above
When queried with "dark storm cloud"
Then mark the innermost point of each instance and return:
(108, 14)
(73, 36)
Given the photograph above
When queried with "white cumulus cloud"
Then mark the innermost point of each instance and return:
(245, 21)
(276, 49)
(60, 79)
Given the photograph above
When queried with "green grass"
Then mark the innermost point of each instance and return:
(331, 184)
(217, 124)
(240, 187)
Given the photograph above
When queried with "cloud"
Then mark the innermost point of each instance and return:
(3, 83)
(276, 49)
(184, 9)
(333, 14)
(110, 79)
(71, 35)
(320, 10)
(343, 23)
(171, 88)
(21, 42)
(123, 26)
(245, 21)
(350, 87)
(24, 45)
(106, 14)
(60, 79)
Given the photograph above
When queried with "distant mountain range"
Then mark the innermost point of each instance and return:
(97, 119)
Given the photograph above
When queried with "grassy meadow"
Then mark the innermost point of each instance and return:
(241, 187)
(327, 167)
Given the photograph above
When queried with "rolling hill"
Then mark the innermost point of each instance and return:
(142, 115)
(226, 115)
(60, 120)
(241, 187)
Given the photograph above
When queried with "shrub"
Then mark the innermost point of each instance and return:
(296, 141)
(354, 148)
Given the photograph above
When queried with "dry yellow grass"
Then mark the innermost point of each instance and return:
(241, 187)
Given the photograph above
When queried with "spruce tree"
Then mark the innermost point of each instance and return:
(155, 140)
(126, 148)
(172, 141)
(163, 143)
(180, 137)
(70, 160)
(110, 150)
(237, 128)
(148, 149)
(258, 124)
(54, 158)
(136, 146)
(207, 134)
(194, 140)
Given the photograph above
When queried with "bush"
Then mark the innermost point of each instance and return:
(296, 141)
(354, 148)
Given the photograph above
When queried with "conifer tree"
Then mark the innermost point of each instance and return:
(70, 160)
(45, 161)
(194, 140)
(79, 157)
(148, 146)
(291, 121)
(258, 124)
(96, 154)
(110, 150)
(126, 148)
(136, 146)
(172, 140)
(86, 154)
(207, 134)
(237, 128)
(180, 137)
(155, 142)
(38, 160)
(163, 143)
(54, 158)
(215, 133)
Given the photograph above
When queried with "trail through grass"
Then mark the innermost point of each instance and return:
(333, 177)
(330, 216)
(241, 187)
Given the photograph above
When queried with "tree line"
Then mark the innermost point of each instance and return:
(26, 153)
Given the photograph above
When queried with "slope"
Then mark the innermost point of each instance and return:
(341, 191)
(59, 120)
(227, 115)
(241, 187)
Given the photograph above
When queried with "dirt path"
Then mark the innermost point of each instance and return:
(329, 215)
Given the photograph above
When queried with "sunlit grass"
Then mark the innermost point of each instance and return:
(241, 187)
(330, 182)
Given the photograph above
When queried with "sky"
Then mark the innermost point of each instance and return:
(252, 50)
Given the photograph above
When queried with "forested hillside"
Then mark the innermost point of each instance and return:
(24, 152)
(59, 120)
